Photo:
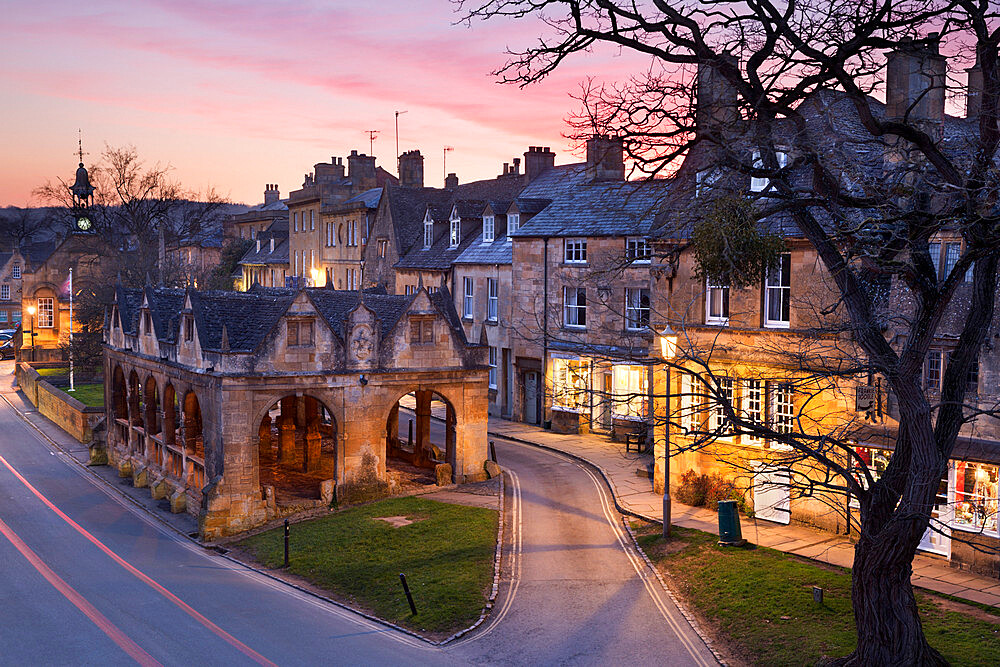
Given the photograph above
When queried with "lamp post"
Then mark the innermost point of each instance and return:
(31, 329)
(668, 350)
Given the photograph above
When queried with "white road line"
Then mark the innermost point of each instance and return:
(678, 626)
(516, 537)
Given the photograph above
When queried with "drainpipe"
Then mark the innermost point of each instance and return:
(545, 329)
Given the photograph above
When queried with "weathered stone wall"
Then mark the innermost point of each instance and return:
(68, 413)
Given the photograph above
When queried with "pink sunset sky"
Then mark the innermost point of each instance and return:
(236, 94)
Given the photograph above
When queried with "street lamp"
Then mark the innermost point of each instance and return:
(668, 350)
(31, 329)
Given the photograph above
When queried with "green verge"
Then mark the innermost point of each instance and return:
(759, 602)
(90, 394)
(446, 554)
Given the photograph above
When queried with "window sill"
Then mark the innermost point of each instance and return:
(973, 530)
(575, 265)
(777, 325)
(633, 331)
(722, 322)
(575, 327)
(494, 321)
(468, 318)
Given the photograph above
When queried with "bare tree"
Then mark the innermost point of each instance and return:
(743, 84)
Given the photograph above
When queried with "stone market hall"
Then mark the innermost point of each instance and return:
(239, 407)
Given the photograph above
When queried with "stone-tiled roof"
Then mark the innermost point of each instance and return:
(582, 207)
(247, 317)
(501, 251)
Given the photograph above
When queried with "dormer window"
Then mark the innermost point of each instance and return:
(637, 250)
(15, 272)
(147, 322)
(488, 229)
(761, 184)
(300, 333)
(456, 231)
(513, 222)
(428, 231)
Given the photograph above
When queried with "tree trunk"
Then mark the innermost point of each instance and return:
(889, 631)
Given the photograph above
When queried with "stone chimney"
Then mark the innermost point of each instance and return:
(329, 172)
(271, 194)
(605, 158)
(451, 182)
(537, 160)
(915, 84)
(411, 169)
(361, 170)
(715, 98)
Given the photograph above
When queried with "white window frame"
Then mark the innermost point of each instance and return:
(454, 231)
(759, 184)
(312, 220)
(46, 310)
(704, 180)
(428, 232)
(716, 303)
(575, 251)
(952, 252)
(637, 250)
(630, 393)
(492, 300)
(781, 412)
(935, 357)
(468, 297)
(489, 229)
(573, 311)
(493, 368)
(513, 224)
(690, 404)
(987, 505)
(635, 312)
(15, 272)
(780, 290)
(719, 423)
(571, 382)
(5, 292)
(752, 404)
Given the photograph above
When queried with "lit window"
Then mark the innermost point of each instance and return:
(570, 383)
(46, 310)
(637, 250)
(875, 460)
(777, 293)
(716, 303)
(492, 300)
(455, 232)
(976, 496)
(631, 397)
(576, 251)
(493, 368)
(488, 230)
(933, 370)
(636, 308)
(690, 404)
(575, 306)
(468, 299)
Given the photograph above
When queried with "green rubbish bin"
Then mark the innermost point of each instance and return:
(730, 534)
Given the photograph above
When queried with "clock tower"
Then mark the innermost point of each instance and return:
(83, 196)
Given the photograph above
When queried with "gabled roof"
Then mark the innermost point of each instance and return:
(248, 317)
(477, 252)
(582, 207)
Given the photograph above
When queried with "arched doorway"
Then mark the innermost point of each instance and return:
(151, 402)
(194, 441)
(119, 399)
(135, 399)
(420, 435)
(297, 448)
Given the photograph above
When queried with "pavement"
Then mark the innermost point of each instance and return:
(634, 495)
(91, 578)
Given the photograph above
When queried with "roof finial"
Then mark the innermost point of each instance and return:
(79, 144)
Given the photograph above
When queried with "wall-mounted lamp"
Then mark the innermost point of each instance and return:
(363, 380)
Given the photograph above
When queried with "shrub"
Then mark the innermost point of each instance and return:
(700, 490)
(693, 489)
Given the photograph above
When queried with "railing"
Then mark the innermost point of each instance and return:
(195, 474)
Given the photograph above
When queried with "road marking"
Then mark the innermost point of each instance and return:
(188, 609)
(90, 611)
(640, 567)
(516, 536)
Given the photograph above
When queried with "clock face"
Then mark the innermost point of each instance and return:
(83, 222)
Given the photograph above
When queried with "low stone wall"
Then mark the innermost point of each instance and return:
(68, 413)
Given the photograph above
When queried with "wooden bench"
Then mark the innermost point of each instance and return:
(637, 440)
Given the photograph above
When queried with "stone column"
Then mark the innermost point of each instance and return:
(313, 438)
(286, 431)
(264, 436)
(392, 430)
(423, 426)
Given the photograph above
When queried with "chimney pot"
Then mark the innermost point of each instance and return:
(537, 160)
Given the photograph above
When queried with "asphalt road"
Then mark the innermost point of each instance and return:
(87, 579)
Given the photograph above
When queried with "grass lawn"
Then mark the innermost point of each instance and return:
(446, 554)
(90, 393)
(52, 372)
(759, 603)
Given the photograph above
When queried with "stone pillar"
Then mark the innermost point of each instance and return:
(313, 438)
(392, 430)
(423, 426)
(264, 436)
(286, 431)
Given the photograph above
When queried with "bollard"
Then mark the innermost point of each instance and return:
(493, 452)
(286, 543)
(817, 594)
(406, 589)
